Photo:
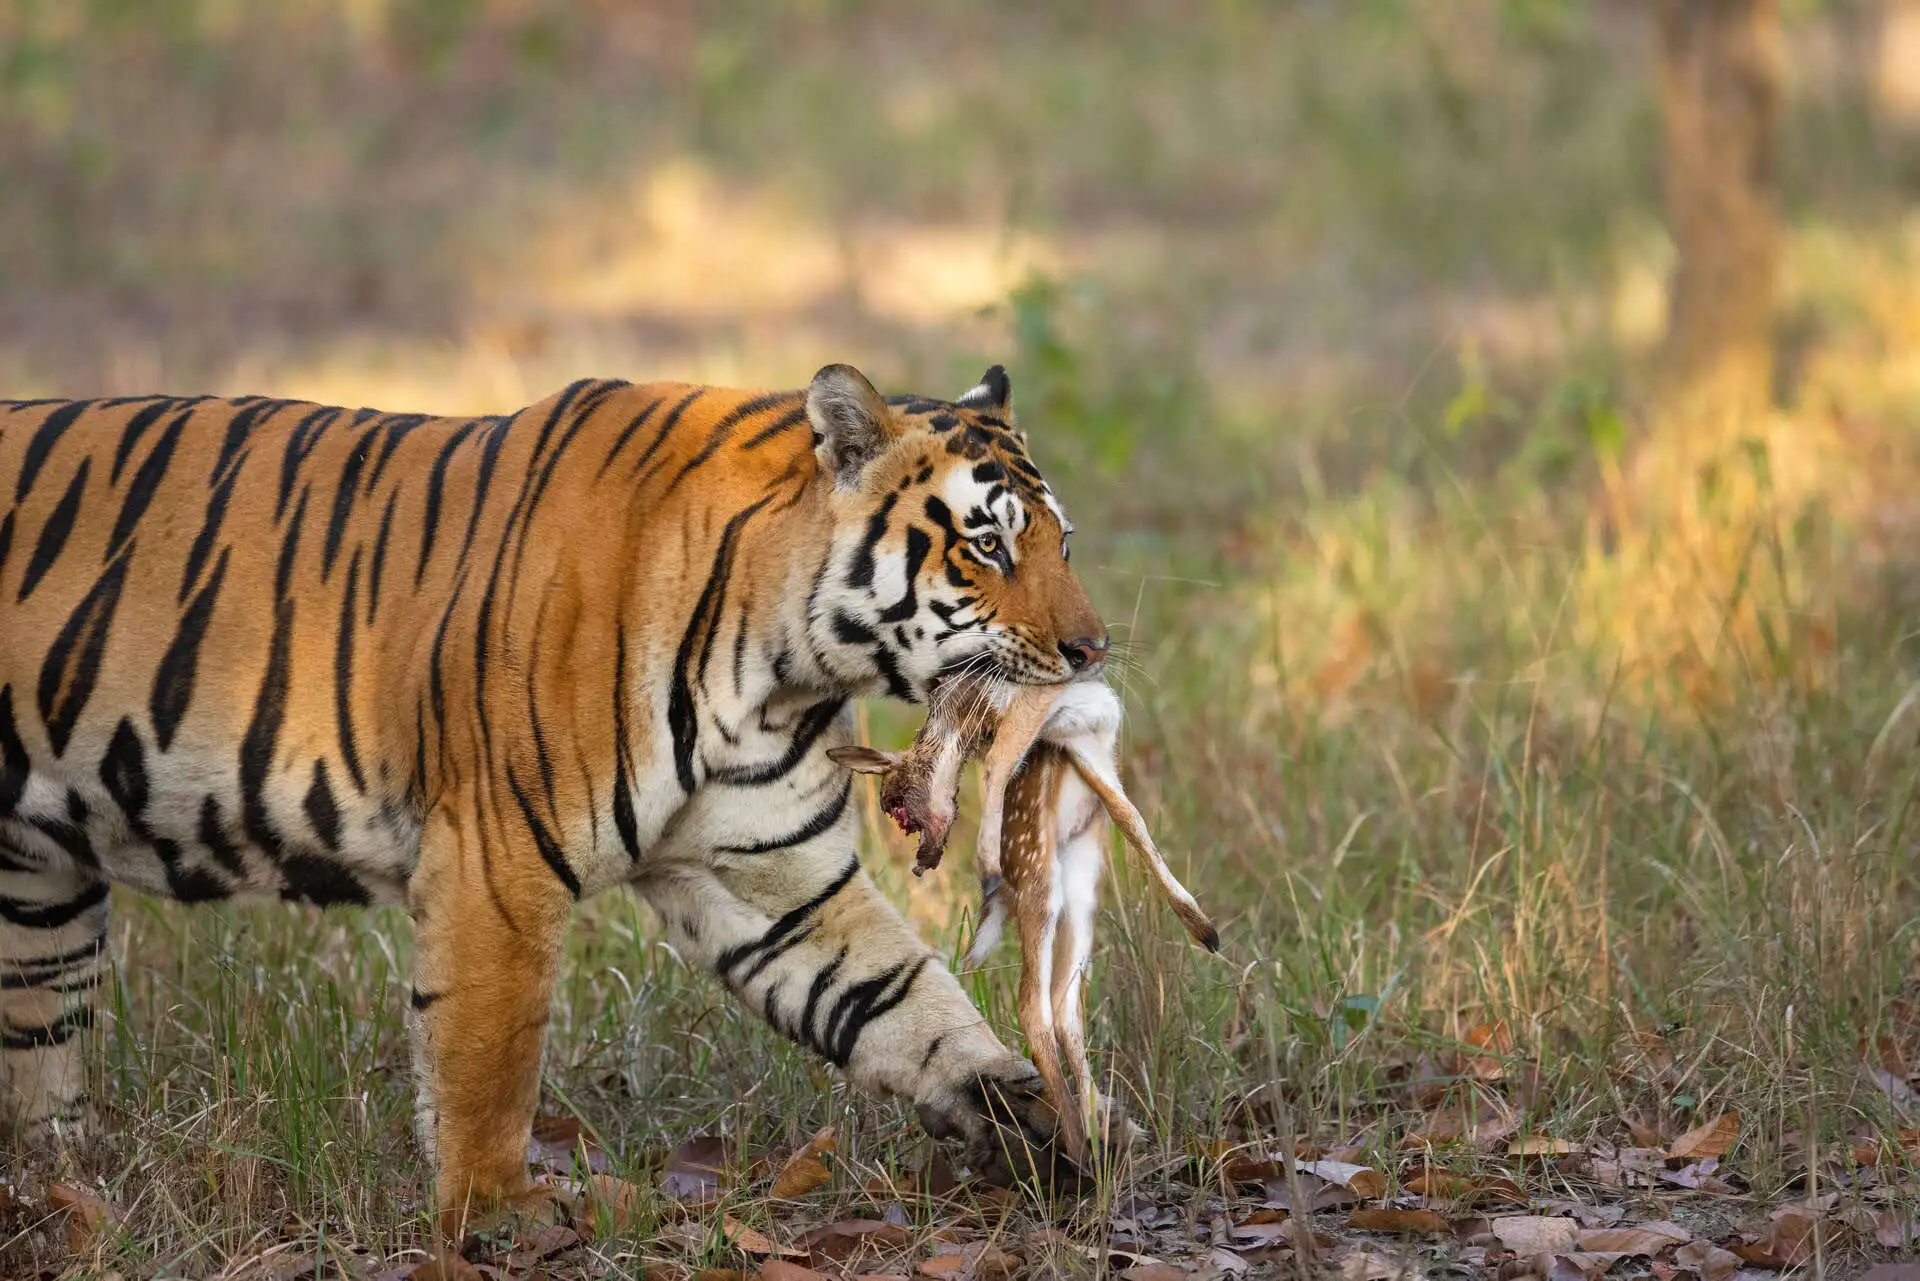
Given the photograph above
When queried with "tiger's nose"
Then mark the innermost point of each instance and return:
(1084, 652)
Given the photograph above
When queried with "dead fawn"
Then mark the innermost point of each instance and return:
(1049, 785)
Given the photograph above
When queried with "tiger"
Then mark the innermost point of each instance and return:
(487, 667)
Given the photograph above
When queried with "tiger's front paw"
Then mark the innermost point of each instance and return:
(1010, 1129)
(502, 1220)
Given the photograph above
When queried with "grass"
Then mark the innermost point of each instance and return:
(1546, 760)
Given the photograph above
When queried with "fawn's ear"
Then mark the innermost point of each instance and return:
(863, 760)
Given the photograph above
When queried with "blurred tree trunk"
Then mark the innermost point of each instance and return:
(1720, 90)
(1895, 69)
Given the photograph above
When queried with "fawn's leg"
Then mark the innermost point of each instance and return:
(489, 924)
(53, 955)
(1077, 867)
(1039, 925)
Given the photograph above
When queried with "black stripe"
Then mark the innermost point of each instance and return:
(73, 661)
(860, 572)
(53, 534)
(600, 396)
(436, 491)
(626, 433)
(889, 666)
(721, 430)
(58, 1032)
(343, 500)
(666, 428)
(123, 770)
(933, 1048)
(489, 460)
(343, 677)
(130, 435)
(556, 858)
(173, 680)
(813, 723)
(290, 546)
(204, 541)
(14, 763)
(51, 916)
(919, 546)
(792, 418)
(399, 427)
(819, 824)
(263, 733)
(682, 719)
(35, 971)
(305, 878)
(380, 557)
(776, 938)
(300, 443)
(623, 817)
(146, 481)
(213, 835)
(239, 431)
(436, 659)
(322, 810)
(6, 540)
(802, 1030)
(45, 437)
(421, 1000)
(864, 1002)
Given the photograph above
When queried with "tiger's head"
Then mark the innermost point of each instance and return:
(947, 548)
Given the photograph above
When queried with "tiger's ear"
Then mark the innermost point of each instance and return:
(852, 426)
(863, 760)
(993, 392)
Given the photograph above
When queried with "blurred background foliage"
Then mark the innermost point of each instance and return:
(1491, 655)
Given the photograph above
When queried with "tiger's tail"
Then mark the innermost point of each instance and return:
(993, 921)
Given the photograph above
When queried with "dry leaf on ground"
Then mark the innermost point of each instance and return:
(696, 1169)
(1713, 1138)
(1643, 1135)
(1543, 1145)
(781, 1270)
(1396, 1221)
(445, 1267)
(1789, 1240)
(1154, 1272)
(1530, 1234)
(88, 1216)
(617, 1200)
(1361, 1180)
(1444, 1185)
(751, 1240)
(1892, 1272)
(1494, 1042)
(846, 1238)
(1370, 1265)
(983, 1263)
(1631, 1240)
(1707, 1260)
(801, 1175)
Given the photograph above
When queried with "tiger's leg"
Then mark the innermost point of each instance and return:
(53, 956)
(488, 932)
(805, 938)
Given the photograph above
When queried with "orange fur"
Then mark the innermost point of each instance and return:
(487, 666)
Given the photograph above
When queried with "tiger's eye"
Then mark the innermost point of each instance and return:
(987, 544)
